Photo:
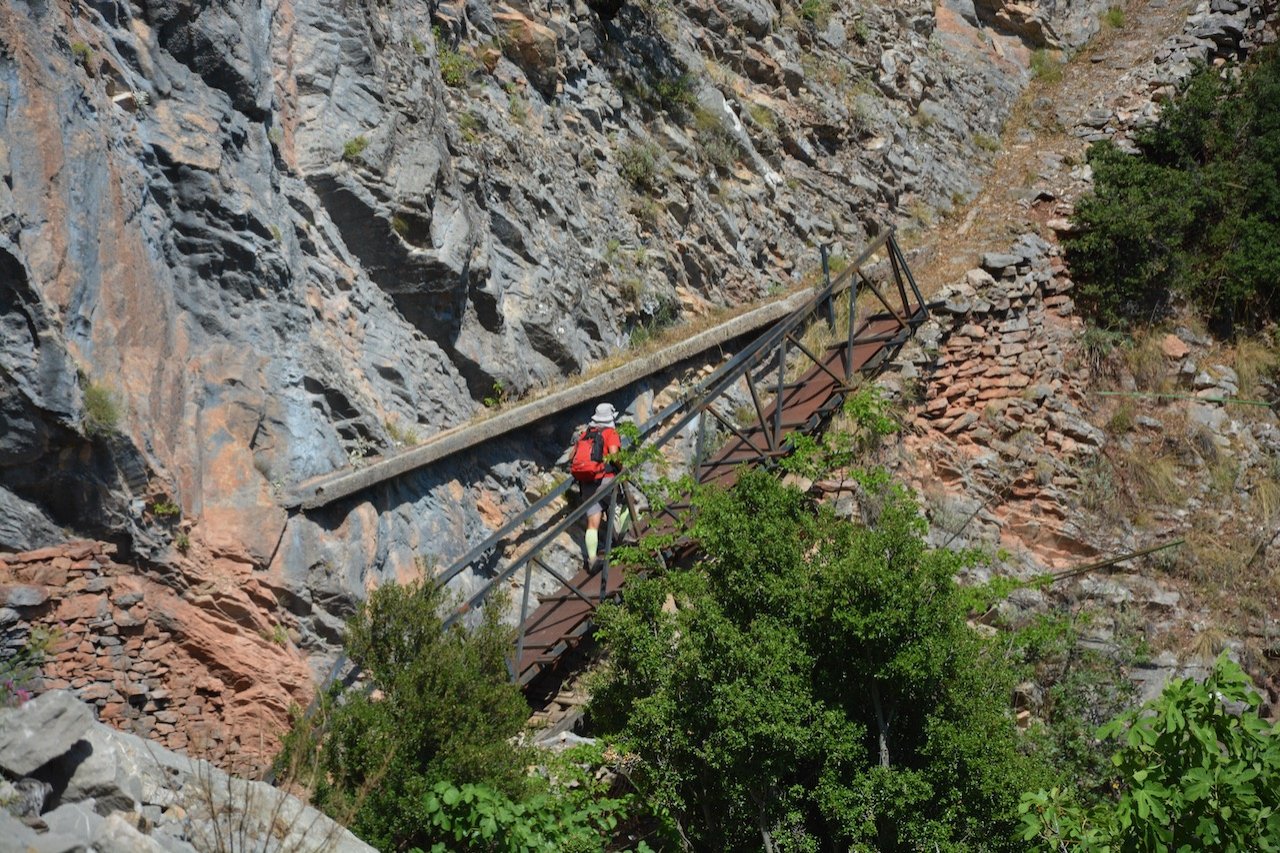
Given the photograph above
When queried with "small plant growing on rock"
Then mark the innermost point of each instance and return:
(455, 66)
(517, 108)
(1045, 66)
(470, 126)
(497, 397)
(987, 142)
(165, 509)
(182, 542)
(817, 12)
(675, 93)
(638, 164)
(277, 635)
(403, 436)
(354, 147)
(83, 54)
(1114, 17)
(861, 32)
(101, 410)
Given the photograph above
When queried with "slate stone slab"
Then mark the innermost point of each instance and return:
(40, 731)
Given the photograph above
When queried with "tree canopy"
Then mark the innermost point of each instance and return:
(1196, 213)
(813, 685)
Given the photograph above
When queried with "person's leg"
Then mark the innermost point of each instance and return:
(593, 536)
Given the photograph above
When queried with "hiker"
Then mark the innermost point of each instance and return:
(591, 467)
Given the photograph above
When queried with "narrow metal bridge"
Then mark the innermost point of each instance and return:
(557, 622)
(803, 405)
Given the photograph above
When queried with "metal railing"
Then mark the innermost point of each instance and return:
(877, 333)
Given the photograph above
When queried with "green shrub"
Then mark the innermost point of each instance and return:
(1196, 215)
(445, 711)
(1045, 65)
(165, 509)
(455, 66)
(354, 147)
(676, 93)
(20, 669)
(1190, 773)
(101, 410)
(816, 685)
(638, 164)
(1114, 17)
(576, 815)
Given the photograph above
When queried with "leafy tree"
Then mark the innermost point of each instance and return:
(1196, 770)
(1196, 214)
(443, 709)
(813, 685)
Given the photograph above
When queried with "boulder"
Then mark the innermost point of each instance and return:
(40, 731)
(117, 835)
(531, 46)
(103, 770)
(1173, 347)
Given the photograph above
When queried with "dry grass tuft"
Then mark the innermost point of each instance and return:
(1253, 362)
(1145, 360)
(1155, 481)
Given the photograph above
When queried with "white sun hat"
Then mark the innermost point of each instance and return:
(604, 416)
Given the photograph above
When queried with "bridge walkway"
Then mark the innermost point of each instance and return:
(557, 621)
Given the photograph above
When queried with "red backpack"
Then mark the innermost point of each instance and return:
(587, 465)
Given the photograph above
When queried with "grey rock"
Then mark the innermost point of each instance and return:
(16, 834)
(25, 797)
(24, 596)
(104, 770)
(74, 819)
(117, 835)
(1077, 428)
(999, 261)
(8, 617)
(756, 17)
(40, 731)
(23, 525)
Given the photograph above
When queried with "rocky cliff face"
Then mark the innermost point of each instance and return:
(247, 242)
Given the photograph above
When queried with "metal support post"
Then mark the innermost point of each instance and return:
(853, 322)
(524, 613)
(825, 250)
(700, 446)
(609, 510)
(777, 402)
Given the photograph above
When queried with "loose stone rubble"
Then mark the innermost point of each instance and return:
(195, 670)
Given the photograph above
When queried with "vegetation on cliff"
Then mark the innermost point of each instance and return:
(814, 681)
(444, 710)
(433, 758)
(1196, 769)
(1196, 214)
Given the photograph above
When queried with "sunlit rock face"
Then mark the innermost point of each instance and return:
(243, 243)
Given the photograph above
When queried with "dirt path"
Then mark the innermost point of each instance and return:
(1039, 139)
